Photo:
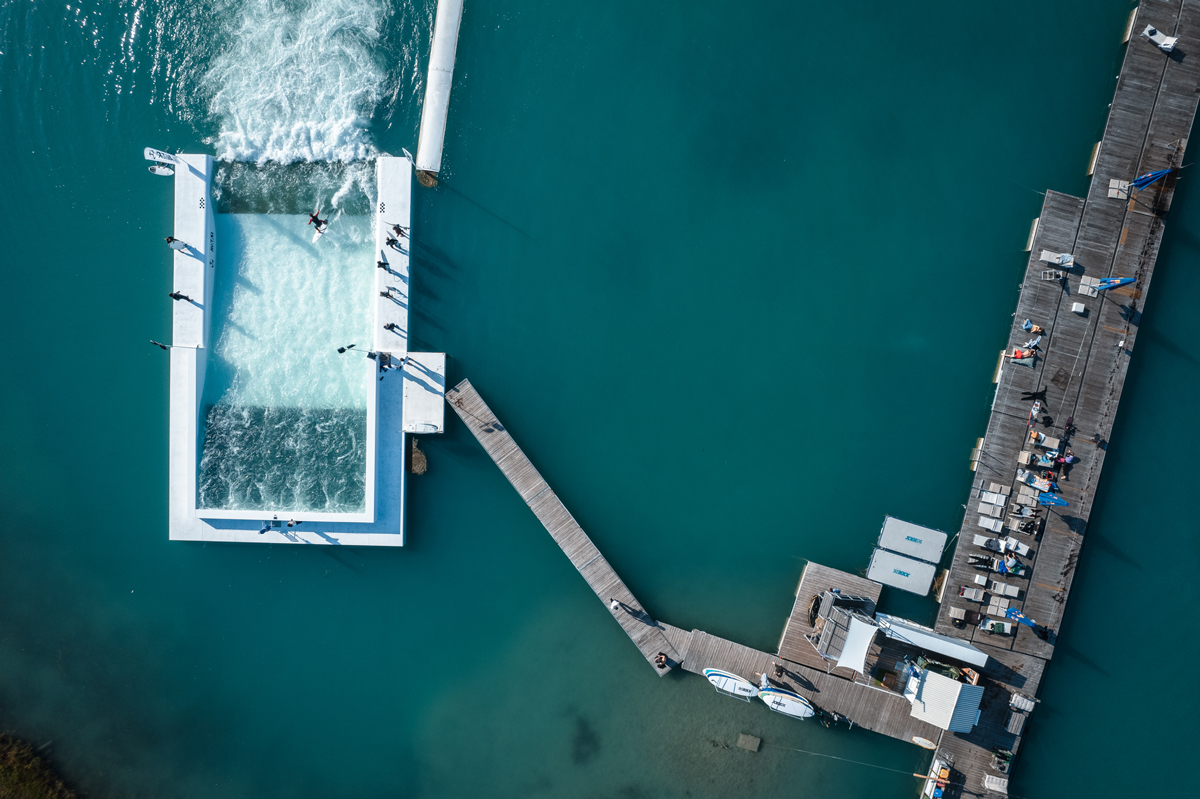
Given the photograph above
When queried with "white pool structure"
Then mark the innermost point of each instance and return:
(269, 423)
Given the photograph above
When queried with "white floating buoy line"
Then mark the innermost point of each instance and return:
(436, 107)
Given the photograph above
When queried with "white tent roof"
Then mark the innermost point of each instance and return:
(900, 571)
(925, 638)
(858, 643)
(906, 538)
(943, 702)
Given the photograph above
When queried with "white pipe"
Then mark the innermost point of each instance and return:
(437, 85)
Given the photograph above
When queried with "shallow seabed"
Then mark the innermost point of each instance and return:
(734, 278)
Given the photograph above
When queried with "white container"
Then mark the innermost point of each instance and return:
(1078, 308)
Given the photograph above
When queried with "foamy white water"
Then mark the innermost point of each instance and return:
(282, 308)
(284, 412)
(298, 82)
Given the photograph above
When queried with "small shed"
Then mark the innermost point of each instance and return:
(943, 702)
(901, 571)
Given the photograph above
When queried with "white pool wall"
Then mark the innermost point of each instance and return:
(386, 454)
(437, 85)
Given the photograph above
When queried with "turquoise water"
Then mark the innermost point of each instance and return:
(736, 281)
(285, 414)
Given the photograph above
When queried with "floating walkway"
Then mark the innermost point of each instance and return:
(646, 633)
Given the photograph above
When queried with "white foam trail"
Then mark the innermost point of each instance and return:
(298, 82)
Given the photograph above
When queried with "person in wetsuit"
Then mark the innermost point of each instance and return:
(313, 219)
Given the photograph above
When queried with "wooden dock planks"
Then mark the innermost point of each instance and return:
(646, 633)
(1085, 357)
(814, 579)
(875, 709)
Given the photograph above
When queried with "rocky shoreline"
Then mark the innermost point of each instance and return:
(25, 775)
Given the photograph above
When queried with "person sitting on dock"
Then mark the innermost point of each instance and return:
(660, 660)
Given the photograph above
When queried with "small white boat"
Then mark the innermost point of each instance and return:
(731, 684)
(787, 703)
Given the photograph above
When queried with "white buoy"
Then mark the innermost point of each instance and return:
(437, 90)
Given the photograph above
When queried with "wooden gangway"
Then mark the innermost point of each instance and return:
(646, 633)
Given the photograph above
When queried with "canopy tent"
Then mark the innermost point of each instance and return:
(846, 634)
(857, 644)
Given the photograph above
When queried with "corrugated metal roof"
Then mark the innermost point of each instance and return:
(913, 540)
(900, 571)
(943, 702)
(925, 638)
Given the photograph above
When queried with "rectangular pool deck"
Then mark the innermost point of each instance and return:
(407, 401)
(1081, 365)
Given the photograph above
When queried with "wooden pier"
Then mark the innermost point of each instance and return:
(1081, 366)
(1083, 357)
(642, 629)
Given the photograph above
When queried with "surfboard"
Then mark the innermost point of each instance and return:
(321, 231)
(159, 169)
(728, 683)
(787, 703)
(158, 155)
(924, 743)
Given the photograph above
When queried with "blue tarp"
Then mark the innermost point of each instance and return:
(1019, 617)
(1148, 178)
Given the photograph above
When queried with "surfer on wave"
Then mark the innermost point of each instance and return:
(314, 219)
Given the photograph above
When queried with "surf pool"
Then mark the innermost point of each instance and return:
(284, 416)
